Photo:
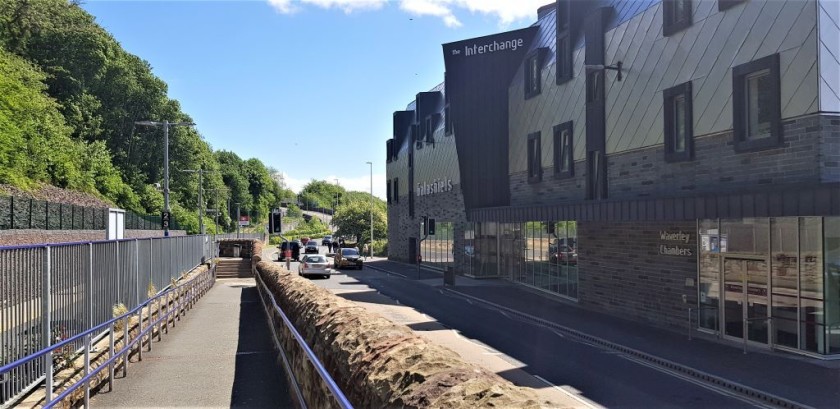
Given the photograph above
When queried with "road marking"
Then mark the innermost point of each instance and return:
(571, 393)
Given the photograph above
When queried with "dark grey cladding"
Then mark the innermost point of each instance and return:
(478, 73)
(428, 103)
(402, 125)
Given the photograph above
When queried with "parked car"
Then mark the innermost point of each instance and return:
(348, 258)
(311, 247)
(292, 245)
(563, 255)
(326, 241)
(304, 240)
(314, 265)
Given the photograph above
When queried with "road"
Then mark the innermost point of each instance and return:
(598, 375)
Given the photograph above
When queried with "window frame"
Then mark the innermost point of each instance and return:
(429, 125)
(672, 24)
(683, 90)
(395, 192)
(388, 193)
(534, 159)
(596, 185)
(533, 84)
(565, 54)
(447, 121)
(558, 151)
(740, 123)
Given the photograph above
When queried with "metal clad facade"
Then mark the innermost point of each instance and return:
(477, 83)
(829, 54)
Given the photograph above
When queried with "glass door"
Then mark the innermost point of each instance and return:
(745, 299)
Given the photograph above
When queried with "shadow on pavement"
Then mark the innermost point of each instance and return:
(260, 380)
(371, 297)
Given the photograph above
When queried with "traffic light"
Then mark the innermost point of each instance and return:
(431, 227)
(277, 222)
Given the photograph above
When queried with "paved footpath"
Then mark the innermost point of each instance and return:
(219, 355)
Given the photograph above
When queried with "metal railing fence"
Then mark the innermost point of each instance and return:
(226, 236)
(159, 313)
(49, 293)
(26, 213)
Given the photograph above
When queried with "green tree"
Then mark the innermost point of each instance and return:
(353, 219)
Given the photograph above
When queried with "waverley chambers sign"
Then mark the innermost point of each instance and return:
(675, 243)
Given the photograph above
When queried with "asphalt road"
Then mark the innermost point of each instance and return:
(605, 377)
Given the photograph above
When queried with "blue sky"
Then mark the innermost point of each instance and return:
(306, 86)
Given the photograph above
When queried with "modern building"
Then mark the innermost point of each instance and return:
(655, 160)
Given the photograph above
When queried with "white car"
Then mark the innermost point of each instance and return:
(314, 265)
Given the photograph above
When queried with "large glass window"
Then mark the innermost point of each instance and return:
(784, 273)
(786, 270)
(756, 104)
(831, 258)
(811, 299)
(709, 270)
(436, 250)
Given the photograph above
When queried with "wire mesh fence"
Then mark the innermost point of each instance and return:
(49, 293)
(26, 213)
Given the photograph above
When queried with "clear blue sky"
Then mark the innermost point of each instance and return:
(307, 88)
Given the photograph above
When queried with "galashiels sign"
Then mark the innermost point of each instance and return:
(437, 186)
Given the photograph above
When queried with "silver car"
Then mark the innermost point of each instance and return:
(314, 265)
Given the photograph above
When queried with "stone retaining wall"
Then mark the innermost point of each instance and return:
(247, 248)
(375, 362)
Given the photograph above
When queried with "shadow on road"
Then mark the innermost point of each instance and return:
(260, 380)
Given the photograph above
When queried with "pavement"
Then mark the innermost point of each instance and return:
(220, 354)
(806, 381)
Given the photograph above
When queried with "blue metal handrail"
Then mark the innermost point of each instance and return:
(117, 354)
(127, 347)
(322, 372)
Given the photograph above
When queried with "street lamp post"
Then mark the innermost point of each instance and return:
(237, 220)
(201, 173)
(165, 125)
(370, 249)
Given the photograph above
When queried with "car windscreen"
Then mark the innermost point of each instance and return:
(315, 259)
(349, 252)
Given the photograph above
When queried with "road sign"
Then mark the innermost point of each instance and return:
(245, 220)
(165, 218)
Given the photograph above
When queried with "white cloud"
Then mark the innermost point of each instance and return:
(506, 11)
(348, 6)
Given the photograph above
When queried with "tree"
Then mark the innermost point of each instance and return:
(353, 219)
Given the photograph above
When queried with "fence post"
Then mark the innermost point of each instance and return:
(46, 316)
(137, 266)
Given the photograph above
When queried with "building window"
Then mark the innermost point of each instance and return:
(728, 4)
(676, 15)
(594, 86)
(416, 136)
(447, 121)
(564, 46)
(756, 105)
(430, 130)
(679, 130)
(533, 74)
(534, 156)
(388, 192)
(395, 192)
(596, 175)
(563, 153)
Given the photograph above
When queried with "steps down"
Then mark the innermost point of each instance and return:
(233, 268)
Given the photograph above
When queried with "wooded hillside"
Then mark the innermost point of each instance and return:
(69, 99)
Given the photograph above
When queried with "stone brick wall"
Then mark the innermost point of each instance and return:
(443, 207)
(623, 273)
(810, 154)
(376, 363)
(24, 236)
(246, 248)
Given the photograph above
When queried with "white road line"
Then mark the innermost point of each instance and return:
(585, 402)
